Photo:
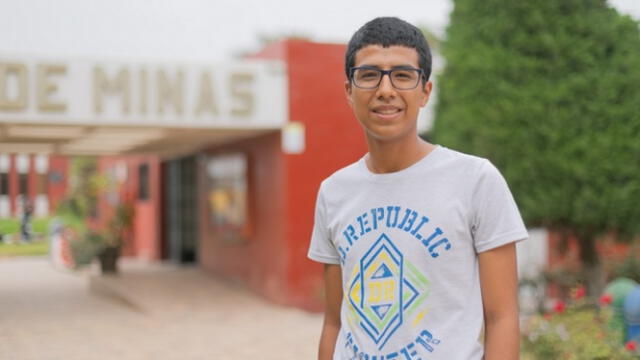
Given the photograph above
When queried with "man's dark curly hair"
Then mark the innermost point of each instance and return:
(386, 32)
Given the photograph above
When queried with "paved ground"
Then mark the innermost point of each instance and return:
(149, 312)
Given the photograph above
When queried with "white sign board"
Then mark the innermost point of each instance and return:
(246, 94)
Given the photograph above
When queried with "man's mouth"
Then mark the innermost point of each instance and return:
(387, 110)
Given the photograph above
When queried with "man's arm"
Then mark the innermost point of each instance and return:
(499, 284)
(331, 326)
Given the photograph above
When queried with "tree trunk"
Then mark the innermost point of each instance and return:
(592, 266)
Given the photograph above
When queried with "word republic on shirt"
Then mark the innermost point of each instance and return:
(395, 217)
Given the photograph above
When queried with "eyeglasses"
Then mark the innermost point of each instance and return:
(404, 78)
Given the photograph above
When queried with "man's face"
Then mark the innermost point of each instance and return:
(386, 113)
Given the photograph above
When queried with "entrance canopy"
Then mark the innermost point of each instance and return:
(104, 107)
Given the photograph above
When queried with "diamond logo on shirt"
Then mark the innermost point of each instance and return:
(384, 290)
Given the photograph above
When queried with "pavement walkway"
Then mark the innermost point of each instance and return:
(149, 311)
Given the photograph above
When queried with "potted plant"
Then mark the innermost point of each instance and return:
(88, 235)
(113, 237)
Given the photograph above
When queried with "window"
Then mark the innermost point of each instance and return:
(227, 197)
(4, 184)
(143, 182)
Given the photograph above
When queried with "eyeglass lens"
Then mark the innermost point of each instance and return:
(402, 79)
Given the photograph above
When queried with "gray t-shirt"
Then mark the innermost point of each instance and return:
(407, 243)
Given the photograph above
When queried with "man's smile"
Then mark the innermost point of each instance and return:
(386, 110)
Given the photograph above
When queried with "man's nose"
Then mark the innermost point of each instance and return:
(386, 89)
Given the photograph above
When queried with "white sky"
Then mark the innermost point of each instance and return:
(197, 30)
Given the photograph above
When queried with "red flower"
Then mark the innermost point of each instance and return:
(579, 293)
(606, 299)
(631, 346)
(559, 307)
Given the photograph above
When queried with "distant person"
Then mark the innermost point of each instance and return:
(418, 240)
(25, 223)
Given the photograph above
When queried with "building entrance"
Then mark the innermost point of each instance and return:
(180, 225)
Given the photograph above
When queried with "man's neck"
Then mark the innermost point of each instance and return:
(387, 157)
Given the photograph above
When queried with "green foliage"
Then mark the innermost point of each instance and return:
(581, 331)
(82, 200)
(81, 204)
(548, 90)
(86, 248)
(120, 222)
(564, 279)
(629, 268)
(78, 207)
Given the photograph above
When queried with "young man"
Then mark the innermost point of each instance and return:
(417, 240)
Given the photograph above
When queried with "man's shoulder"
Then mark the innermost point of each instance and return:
(461, 158)
(345, 176)
(475, 170)
(457, 162)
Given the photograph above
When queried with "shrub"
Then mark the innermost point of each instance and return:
(629, 268)
(574, 331)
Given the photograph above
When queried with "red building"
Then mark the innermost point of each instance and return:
(236, 197)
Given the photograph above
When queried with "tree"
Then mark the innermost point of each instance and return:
(549, 91)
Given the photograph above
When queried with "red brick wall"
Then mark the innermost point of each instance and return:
(144, 241)
(284, 186)
(334, 139)
(568, 255)
(57, 191)
(261, 261)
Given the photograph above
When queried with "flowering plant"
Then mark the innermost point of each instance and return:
(575, 330)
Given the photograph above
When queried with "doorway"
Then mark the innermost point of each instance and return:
(180, 210)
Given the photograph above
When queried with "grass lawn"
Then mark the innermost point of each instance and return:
(12, 225)
(35, 248)
(10, 228)
(40, 225)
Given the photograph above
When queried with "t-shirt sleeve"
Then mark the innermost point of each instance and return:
(496, 220)
(322, 248)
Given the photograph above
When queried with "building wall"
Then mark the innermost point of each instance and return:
(284, 186)
(565, 253)
(144, 242)
(259, 262)
(58, 180)
(334, 139)
(275, 262)
(146, 231)
(53, 171)
(563, 259)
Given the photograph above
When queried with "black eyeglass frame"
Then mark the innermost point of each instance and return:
(352, 71)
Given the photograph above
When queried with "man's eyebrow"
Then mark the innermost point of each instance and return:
(403, 66)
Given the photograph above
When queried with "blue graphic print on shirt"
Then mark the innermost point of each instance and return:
(386, 290)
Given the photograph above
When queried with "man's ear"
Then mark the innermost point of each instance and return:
(426, 93)
(348, 89)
